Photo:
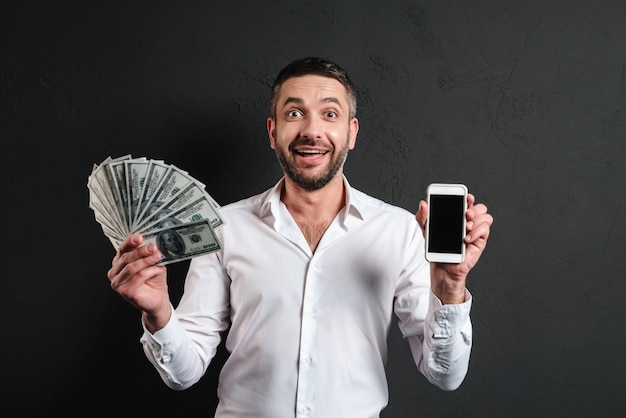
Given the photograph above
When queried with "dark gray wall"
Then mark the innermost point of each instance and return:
(524, 101)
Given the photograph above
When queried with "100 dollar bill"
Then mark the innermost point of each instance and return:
(183, 241)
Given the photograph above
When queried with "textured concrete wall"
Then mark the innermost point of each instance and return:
(524, 101)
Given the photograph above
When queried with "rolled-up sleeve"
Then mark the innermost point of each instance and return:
(442, 352)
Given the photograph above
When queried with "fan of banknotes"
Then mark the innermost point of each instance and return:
(162, 202)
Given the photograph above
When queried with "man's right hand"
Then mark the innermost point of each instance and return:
(136, 277)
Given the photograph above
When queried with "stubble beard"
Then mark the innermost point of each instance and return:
(317, 182)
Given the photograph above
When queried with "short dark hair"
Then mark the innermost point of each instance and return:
(314, 66)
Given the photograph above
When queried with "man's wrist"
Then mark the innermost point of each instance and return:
(155, 322)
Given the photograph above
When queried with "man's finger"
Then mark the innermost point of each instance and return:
(130, 243)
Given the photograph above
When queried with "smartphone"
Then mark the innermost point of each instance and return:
(445, 226)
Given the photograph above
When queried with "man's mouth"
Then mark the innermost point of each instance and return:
(307, 152)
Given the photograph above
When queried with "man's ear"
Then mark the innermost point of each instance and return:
(352, 131)
(271, 132)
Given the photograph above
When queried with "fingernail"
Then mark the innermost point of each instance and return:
(151, 248)
(470, 224)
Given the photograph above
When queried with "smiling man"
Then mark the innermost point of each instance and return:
(303, 285)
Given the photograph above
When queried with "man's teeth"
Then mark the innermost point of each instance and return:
(311, 151)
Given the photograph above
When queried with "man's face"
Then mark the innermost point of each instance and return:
(312, 131)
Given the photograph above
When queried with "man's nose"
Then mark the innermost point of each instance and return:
(311, 127)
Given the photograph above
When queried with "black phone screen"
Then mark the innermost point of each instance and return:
(446, 224)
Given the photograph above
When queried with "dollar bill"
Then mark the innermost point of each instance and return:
(120, 183)
(184, 241)
(136, 173)
(154, 175)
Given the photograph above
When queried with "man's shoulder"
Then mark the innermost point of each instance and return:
(247, 204)
(371, 203)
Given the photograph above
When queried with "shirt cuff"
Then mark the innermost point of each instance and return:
(166, 340)
(449, 319)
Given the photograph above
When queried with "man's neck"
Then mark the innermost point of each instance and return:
(313, 211)
(316, 205)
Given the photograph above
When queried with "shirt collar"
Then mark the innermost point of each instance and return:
(353, 209)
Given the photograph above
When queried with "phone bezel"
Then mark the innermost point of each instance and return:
(448, 189)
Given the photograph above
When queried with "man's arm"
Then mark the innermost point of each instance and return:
(442, 351)
(182, 350)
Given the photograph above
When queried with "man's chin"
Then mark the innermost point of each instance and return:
(311, 183)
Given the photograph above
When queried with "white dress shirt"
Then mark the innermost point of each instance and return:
(307, 332)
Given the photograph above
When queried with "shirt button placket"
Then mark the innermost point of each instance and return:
(306, 369)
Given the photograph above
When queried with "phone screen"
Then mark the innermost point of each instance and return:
(446, 224)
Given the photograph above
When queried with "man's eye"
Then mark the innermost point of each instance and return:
(294, 113)
(331, 114)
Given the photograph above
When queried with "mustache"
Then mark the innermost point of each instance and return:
(304, 141)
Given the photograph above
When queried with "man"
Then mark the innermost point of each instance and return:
(309, 278)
